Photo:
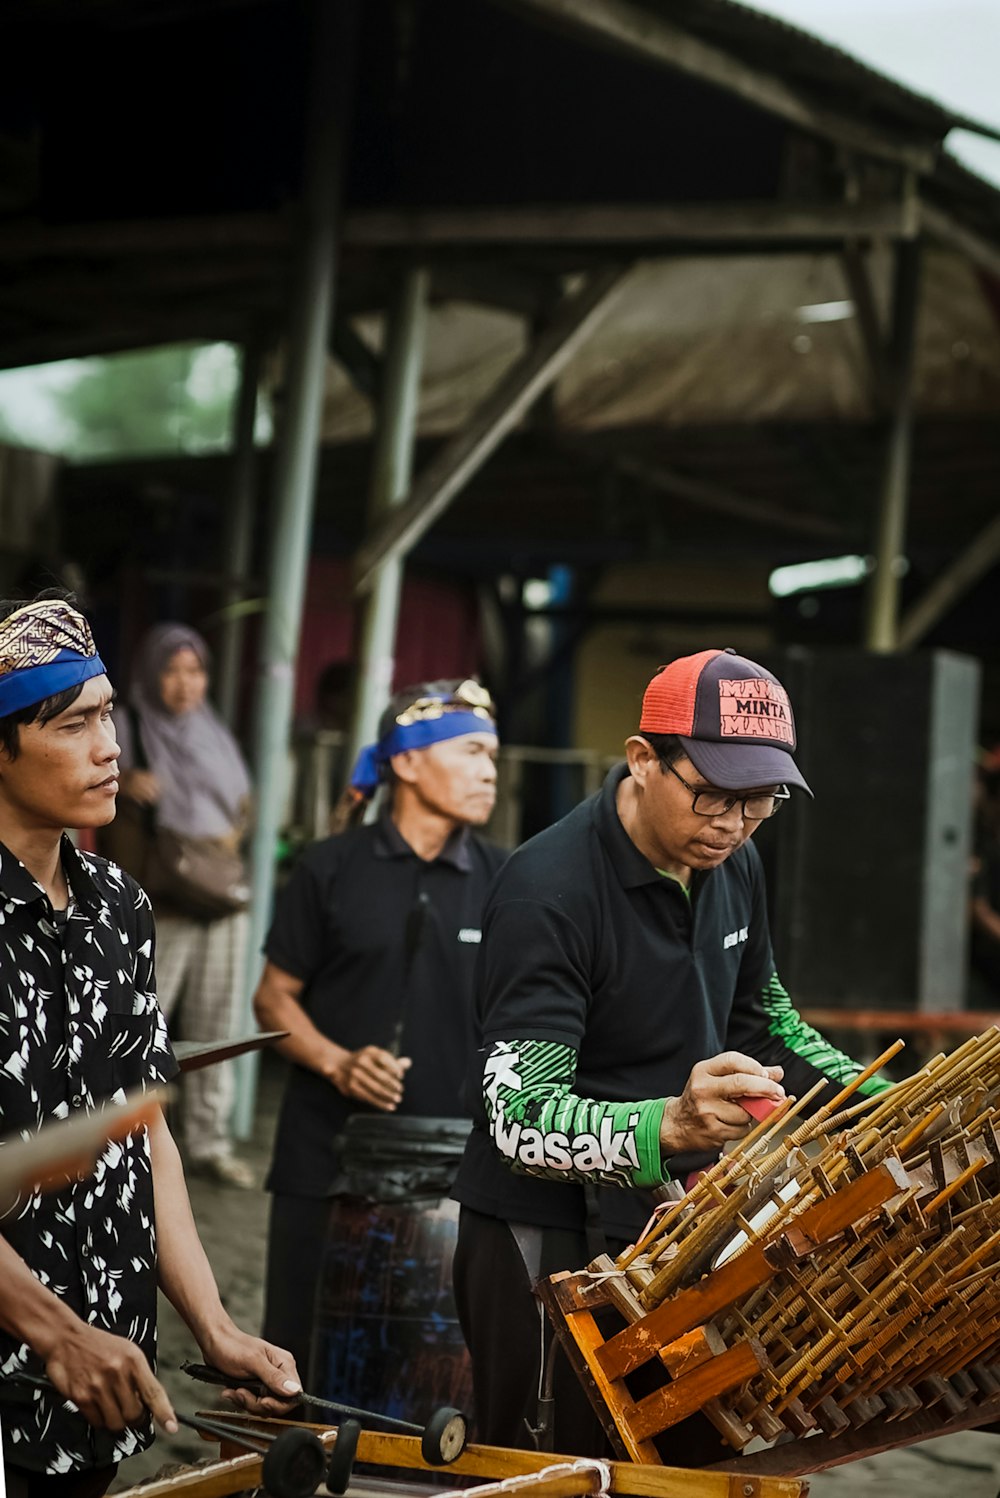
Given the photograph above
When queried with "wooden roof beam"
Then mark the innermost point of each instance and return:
(726, 501)
(728, 225)
(627, 27)
(502, 409)
(227, 232)
(962, 573)
(983, 252)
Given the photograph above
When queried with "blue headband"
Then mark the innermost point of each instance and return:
(371, 762)
(34, 683)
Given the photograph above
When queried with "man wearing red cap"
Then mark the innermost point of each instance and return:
(628, 1006)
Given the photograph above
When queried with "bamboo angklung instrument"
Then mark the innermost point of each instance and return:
(854, 1257)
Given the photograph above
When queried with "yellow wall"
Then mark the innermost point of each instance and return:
(616, 660)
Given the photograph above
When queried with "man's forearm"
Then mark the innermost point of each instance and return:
(27, 1308)
(541, 1127)
(185, 1274)
(304, 1044)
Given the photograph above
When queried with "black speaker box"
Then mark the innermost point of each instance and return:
(868, 883)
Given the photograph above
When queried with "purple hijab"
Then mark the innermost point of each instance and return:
(203, 778)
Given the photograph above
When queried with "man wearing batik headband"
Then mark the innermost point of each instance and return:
(79, 1025)
(369, 966)
(630, 1018)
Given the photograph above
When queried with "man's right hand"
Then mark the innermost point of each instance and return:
(707, 1113)
(372, 1076)
(107, 1378)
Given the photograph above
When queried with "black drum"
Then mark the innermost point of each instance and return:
(386, 1334)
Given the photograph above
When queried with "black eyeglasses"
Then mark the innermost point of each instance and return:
(717, 803)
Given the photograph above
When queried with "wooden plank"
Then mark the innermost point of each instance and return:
(685, 1395)
(494, 1463)
(821, 1452)
(67, 1147)
(635, 1345)
(626, 224)
(656, 39)
(580, 1339)
(467, 451)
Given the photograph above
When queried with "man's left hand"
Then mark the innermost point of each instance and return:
(236, 1353)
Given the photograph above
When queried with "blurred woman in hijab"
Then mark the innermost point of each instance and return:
(189, 768)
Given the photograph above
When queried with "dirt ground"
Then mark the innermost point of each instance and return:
(233, 1227)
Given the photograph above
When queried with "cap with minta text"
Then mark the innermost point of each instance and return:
(732, 716)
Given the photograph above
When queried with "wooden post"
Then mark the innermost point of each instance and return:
(391, 473)
(882, 614)
(238, 541)
(295, 477)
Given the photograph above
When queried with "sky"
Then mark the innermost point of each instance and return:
(946, 49)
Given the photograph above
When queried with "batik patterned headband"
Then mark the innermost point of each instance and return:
(45, 647)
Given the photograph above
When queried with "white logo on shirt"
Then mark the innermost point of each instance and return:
(470, 934)
(735, 937)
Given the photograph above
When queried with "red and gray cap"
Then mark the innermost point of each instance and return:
(733, 718)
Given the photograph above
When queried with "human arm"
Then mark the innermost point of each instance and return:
(541, 1127)
(766, 1024)
(537, 979)
(106, 1376)
(186, 1279)
(369, 1074)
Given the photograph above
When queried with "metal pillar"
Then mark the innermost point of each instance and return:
(332, 56)
(239, 534)
(882, 611)
(391, 474)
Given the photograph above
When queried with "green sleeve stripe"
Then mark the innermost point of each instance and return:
(786, 1023)
(541, 1128)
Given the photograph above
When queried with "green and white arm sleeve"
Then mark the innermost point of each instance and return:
(807, 1045)
(541, 1128)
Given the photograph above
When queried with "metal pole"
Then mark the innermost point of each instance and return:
(239, 533)
(295, 474)
(391, 474)
(882, 613)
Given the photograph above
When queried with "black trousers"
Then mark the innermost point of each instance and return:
(92, 1483)
(505, 1329)
(295, 1242)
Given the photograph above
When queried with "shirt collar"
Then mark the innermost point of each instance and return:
(21, 888)
(390, 843)
(632, 867)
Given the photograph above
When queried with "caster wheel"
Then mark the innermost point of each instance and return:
(293, 1464)
(444, 1437)
(345, 1449)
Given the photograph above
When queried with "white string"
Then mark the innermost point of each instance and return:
(594, 1465)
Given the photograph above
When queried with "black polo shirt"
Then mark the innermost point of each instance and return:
(79, 1026)
(378, 937)
(586, 944)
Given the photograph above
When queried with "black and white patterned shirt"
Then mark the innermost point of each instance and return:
(79, 1026)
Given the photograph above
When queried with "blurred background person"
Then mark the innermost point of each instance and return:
(370, 961)
(185, 804)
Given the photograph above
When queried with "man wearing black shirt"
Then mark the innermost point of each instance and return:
(369, 968)
(79, 1026)
(627, 1000)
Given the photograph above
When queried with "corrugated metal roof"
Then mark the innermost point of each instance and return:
(826, 70)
